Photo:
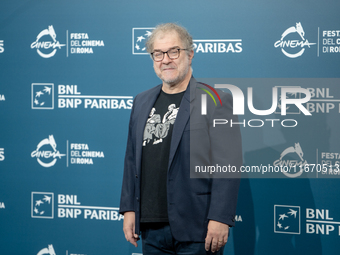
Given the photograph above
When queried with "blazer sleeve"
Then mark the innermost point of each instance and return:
(226, 150)
(128, 186)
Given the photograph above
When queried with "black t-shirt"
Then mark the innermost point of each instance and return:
(155, 157)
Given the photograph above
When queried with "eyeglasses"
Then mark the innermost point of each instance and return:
(172, 54)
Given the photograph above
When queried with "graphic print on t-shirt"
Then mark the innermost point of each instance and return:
(157, 129)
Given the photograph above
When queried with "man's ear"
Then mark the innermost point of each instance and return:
(191, 55)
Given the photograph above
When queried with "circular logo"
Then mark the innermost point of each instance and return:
(50, 155)
(301, 42)
(49, 46)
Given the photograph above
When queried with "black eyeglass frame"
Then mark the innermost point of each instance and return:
(167, 52)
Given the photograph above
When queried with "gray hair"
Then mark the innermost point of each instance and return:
(169, 27)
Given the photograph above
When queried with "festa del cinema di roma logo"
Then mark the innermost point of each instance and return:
(46, 43)
(50, 156)
(295, 40)
(49, 250)
(296, 150)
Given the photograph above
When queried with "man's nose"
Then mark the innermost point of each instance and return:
(166, 59)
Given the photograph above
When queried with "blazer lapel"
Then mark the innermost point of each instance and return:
(182, 119)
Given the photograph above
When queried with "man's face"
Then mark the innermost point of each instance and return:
(171, 71)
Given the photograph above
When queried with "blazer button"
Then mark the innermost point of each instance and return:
(136, 176)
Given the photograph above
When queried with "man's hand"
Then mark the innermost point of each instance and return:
(217, 235)
(129, 228)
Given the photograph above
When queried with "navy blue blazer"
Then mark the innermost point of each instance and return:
(192, 202)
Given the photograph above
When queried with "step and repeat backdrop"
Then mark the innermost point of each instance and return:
(69, 71)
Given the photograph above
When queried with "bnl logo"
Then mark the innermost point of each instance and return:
(287, 219)
(42, 96)
(42, 205)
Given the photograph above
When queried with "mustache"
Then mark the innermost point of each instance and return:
(168, 67)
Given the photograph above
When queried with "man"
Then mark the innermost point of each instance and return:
(175, 213)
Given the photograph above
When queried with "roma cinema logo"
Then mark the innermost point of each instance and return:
(292, 38)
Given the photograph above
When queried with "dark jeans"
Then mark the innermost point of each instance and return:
(157, 239)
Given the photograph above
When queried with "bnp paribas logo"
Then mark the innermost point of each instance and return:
(287, 219)
(139, 37)
(42, 205)
(42, 96)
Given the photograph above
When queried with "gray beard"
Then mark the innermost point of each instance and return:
(177, 80)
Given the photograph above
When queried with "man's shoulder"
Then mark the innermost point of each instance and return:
(149, 92)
